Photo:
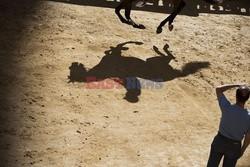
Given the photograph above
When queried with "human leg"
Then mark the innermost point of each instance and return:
(216, 152)
(232, 154)
(214, 158)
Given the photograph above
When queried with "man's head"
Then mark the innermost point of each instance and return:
(242, 94)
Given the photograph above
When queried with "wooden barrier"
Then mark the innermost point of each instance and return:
(193, 8)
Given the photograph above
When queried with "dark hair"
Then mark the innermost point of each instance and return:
(240, 97)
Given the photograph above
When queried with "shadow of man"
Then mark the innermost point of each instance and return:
(127, 70)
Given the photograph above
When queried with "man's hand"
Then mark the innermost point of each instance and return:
(223, 88)
(245, 144)
(241, 154)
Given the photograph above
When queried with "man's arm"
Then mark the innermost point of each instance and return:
(245, 143)
(223, 88)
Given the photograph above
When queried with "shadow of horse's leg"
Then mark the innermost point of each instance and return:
(178, 6)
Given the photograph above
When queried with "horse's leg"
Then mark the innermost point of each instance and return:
(128, 9)
(178, 5)
(127, 15)
(124, 4)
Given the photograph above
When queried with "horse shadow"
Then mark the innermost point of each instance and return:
(126, 71)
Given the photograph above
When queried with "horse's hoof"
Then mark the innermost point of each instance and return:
(159, 30)
(140, 26)
(170, 27)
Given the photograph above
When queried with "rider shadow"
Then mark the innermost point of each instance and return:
(127, 69)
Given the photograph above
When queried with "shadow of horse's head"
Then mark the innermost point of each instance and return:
(77, 72)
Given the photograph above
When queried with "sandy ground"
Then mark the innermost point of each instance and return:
(48, 121)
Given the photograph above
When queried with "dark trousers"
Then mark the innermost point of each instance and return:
(223, 147)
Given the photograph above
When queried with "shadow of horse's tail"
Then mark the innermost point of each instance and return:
(77, 72)
(193, 67)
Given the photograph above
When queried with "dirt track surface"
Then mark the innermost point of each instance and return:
(48, 121)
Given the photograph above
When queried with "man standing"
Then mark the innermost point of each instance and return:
(234, 126)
